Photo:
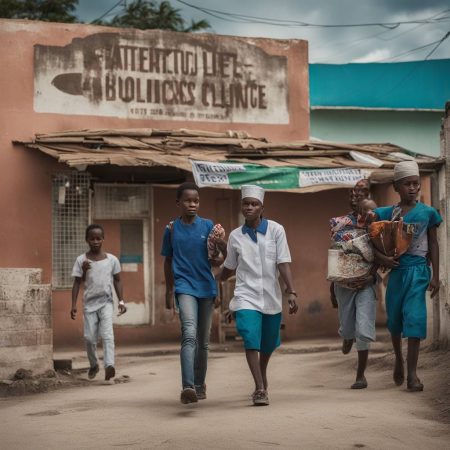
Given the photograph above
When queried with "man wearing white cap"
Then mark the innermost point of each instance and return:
(410, 276)
(258, 252)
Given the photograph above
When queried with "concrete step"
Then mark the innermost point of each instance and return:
(20, 277)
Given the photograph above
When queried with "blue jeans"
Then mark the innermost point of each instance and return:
(196, 318)
(95, 323)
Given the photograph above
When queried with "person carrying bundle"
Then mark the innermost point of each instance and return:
(352, 271)
(410, 274)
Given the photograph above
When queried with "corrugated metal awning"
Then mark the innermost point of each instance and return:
(177, 148)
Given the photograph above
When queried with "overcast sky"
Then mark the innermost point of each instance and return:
(335, 45)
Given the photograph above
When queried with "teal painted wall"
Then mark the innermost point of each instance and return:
(417, 131)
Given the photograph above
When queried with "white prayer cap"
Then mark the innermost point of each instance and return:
(405, 169)
(250, 190)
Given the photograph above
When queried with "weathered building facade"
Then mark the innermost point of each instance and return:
(94, 79)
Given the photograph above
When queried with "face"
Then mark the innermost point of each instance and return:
(408, 188)
(357, 194)
(251, 208)
(366, 206)
(189, 202)
(95, 239)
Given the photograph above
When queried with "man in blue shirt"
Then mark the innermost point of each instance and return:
(189, 278)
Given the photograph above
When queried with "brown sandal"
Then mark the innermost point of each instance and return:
(414, 386)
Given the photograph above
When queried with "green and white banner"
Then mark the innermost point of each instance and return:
(208, 173)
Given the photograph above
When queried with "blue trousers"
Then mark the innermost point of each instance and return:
(196, 318)
(405, 301)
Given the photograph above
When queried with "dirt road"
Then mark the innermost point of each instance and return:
(311, 408)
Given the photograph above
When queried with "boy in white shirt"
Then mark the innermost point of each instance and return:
(99, 271)
(258, 252)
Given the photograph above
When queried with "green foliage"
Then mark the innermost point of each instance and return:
(46, 10)
(145, 15)
(141, 14)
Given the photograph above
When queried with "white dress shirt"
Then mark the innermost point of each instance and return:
(257, 285)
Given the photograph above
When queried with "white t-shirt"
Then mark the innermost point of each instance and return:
(98, 282)
(257, 285)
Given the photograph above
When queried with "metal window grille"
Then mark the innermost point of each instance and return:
(70, 217)
(112, 201)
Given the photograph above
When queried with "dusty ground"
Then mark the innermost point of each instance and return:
(311, 408)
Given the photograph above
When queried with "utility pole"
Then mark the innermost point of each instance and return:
(443, 307)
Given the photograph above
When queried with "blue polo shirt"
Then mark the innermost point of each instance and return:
(187, 245)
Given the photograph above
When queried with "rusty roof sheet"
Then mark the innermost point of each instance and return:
(175, 148)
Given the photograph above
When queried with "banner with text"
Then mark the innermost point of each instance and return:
(208, 173)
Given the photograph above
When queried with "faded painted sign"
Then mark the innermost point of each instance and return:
(160, 75)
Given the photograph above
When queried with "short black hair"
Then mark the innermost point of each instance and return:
(187, 186)
(94, 226)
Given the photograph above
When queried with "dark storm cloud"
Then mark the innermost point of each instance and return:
(335, 45)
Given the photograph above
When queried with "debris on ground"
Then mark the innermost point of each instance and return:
(122, 379)
(24, 382)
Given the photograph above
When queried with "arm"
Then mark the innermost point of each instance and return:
(231, 262)
(168, 275)
(119, 291)
(226, 273)
(286, 276)
(333, 296)
(75, 291)
(434, 257)
(222, 245)
(385, 261)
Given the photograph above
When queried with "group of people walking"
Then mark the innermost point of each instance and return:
(257, 253)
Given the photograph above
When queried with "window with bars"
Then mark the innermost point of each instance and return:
(112, 201)
(70, 217)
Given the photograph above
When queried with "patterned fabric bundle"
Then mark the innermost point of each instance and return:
(350, 257)
(392, 238)
(217, 232)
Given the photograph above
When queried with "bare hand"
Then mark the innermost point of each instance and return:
(388, 261)
(229, 316)
(122, 309)
(217, 301)
(434, 286)
(221, 244)
(85, 266)
(73, 313)
(169, 299)
(293, 307)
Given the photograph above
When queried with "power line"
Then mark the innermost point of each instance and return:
(109, 11)
(244, 18)
(438, 45)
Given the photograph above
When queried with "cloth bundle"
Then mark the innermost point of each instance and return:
(217, 232)
(392, 238)
(350, 257)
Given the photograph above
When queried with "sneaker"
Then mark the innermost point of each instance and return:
(201, 392)
(93, 371)
(260, 398)
(188, 395)
(110, 372)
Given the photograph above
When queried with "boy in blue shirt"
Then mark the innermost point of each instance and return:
(189, 277)
(410, 275)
